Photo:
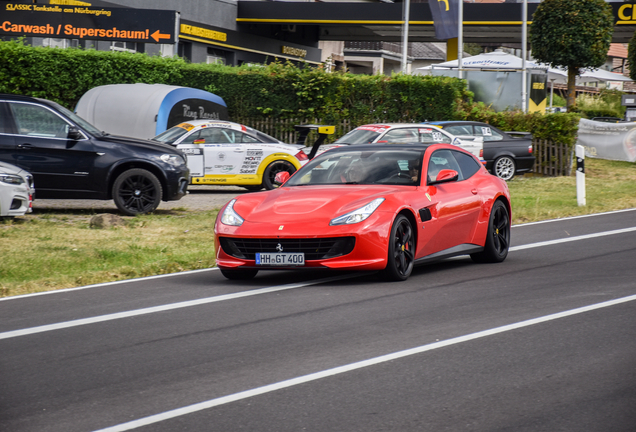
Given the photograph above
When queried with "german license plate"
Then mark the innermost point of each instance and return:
(280, 259)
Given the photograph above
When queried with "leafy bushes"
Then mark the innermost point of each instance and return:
(558, 128)
(64, 75)
(606, 104)
(280, 91)
(277, 90)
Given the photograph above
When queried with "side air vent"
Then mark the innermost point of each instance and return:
(425, 214)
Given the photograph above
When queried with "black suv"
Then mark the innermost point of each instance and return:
(70, 158)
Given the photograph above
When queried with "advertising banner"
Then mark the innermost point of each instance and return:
(603, 140)
(87, 22)
(445, 18)
(538, 93)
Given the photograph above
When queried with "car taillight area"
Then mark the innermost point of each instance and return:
(302, 156)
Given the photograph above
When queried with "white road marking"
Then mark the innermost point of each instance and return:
(119, 282)
(60, 291)
(353, 366)
(198, 302)
(573, 217)
(171, 306)
(571, 239)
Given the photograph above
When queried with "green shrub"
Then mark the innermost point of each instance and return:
(559, 128)
(605, 104)
(280, 91)
(64, 75)
(557, 100)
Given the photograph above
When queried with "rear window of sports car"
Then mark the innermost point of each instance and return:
(358, 136)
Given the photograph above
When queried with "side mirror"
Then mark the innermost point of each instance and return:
(446, 176)
(74, 133)
(281, 177)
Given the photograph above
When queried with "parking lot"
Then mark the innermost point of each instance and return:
(198, 198)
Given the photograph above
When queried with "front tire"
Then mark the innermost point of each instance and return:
(137, 191)
(504, 168)
(401, 256)
(253, 188)
(274, 168)
(498, 236)
(244, 274)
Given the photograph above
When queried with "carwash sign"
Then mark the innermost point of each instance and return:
(86, 22)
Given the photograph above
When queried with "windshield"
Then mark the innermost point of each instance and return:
(171, 135)
(386, 167)
(359, 136)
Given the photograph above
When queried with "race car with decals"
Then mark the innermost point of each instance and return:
(407, 133)
(227, 153)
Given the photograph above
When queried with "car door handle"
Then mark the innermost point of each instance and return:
(25, 146)
(474, 191)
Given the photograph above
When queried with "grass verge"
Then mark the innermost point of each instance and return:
(51, 250)
(610, 185)
(46, 251)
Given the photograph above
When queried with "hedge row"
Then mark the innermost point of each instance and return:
(558, 128)
(281, 91)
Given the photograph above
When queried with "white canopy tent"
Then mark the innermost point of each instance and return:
(500, 60)
(496, 60)
(497, 79)
(560, 76)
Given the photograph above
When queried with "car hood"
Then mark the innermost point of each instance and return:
(152, 145)
(309, 204)
(6, 168)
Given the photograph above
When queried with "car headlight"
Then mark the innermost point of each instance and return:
(358, 215)
(11, 179)
(172, 159)
(230, 217)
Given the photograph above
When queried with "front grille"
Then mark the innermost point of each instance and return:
(313, 248)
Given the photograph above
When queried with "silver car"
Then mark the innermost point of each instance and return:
(16, 191)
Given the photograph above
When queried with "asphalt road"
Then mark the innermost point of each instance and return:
(545, 341)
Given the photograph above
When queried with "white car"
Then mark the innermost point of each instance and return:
(16, 191)
(406, 133)
(227, 153)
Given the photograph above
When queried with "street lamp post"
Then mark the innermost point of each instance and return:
(405, 34)
(460, 38)
(524, 54)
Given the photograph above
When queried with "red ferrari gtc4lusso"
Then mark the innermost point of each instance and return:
(374, 207)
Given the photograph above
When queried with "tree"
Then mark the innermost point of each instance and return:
(631, 57)
(572, 34)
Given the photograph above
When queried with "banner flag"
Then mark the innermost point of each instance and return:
(611, 141)
(445, 18)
